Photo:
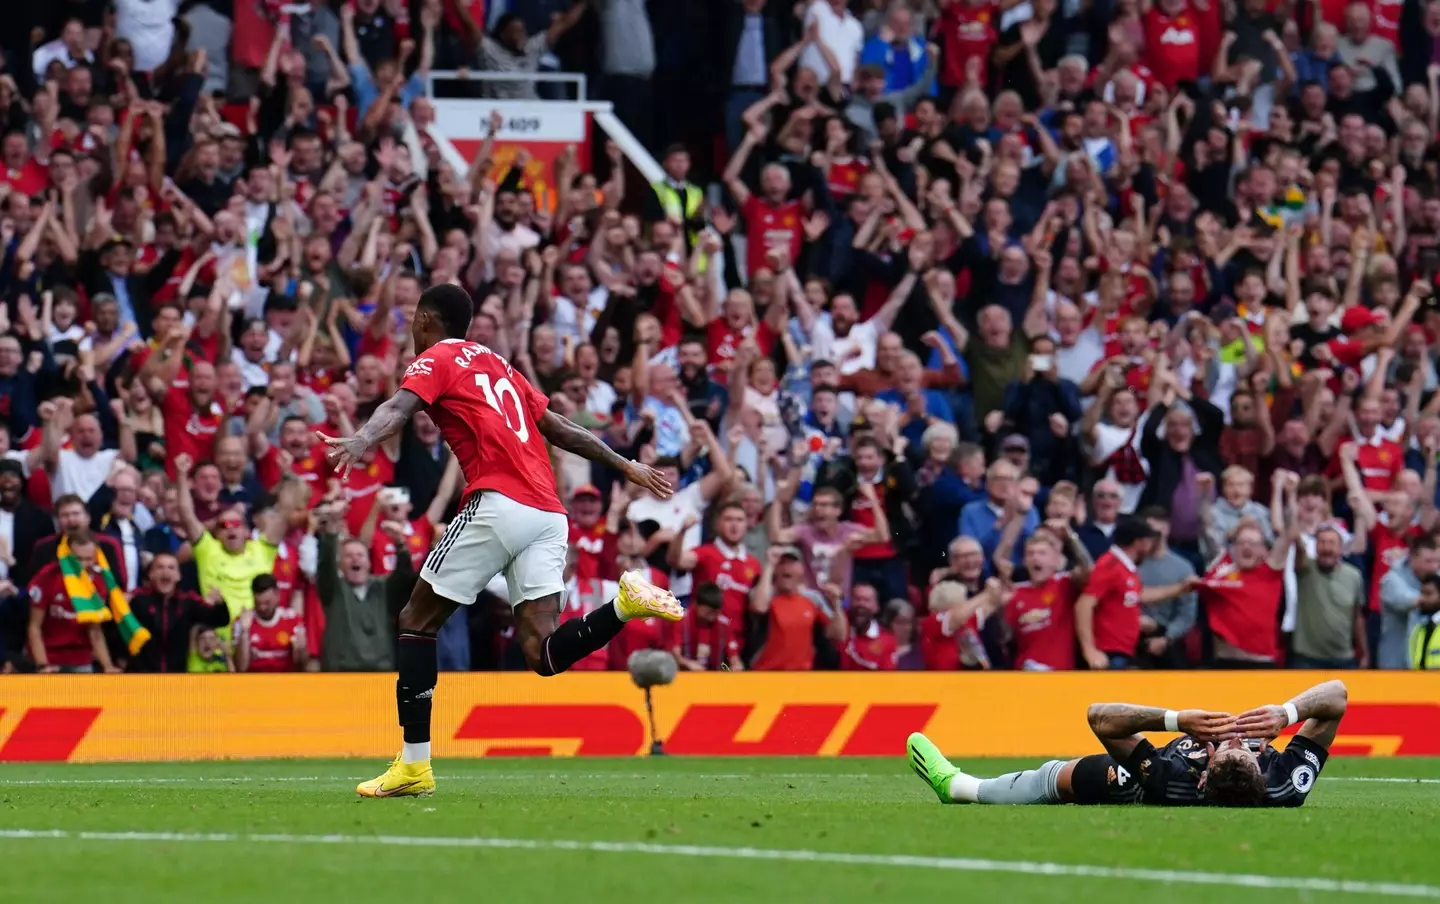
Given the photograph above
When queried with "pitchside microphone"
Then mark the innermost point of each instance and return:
(652, 668)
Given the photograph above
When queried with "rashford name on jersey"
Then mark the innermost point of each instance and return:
(490, 416)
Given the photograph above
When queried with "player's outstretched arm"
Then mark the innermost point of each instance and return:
(1321, 707)
(1118, 725)
(387, 421)
(564, 433)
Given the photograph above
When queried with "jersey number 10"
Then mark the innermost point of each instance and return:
(494, 395)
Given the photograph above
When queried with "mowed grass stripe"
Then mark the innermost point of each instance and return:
(904, 861)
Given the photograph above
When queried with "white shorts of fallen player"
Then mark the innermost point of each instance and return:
(494, 535)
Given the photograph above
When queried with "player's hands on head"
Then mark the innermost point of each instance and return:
(1263, 722)
(1207, 726)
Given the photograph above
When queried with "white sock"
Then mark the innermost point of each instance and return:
(415, 753)
(615, 604)
(964, 788)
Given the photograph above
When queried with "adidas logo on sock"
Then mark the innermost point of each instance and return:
(425, 694)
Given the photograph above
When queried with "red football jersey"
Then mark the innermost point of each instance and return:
(66, 640)
(1389, 549)
(272, 644)
(1042, 618)
(734, 572)
(966, 31)
(873, 651)
(590, 552)
(1116, 584)
(362, 488)
(418, 537)
(1172, 47)
(863, 514)
(1244, 606)
(490, 416)
(188, 431)
(770, 226)
(939, 650)
(722, 342)
(1378, 463)
(712, 643)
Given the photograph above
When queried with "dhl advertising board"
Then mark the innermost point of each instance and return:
(200, 717)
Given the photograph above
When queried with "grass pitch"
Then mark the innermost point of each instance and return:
(684, 830)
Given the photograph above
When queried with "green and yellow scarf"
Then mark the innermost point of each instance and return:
(95, 603)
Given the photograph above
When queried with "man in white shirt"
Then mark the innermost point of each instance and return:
(69, 49)
(838, 30)
(84, 467)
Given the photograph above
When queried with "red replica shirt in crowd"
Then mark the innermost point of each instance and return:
(862, 512)
(67, 642)
(590, 552)
(313, 469)
(1379, 462)
(362, 488)
(967, 30)
(790, 643)
(272, 643)
(843, 176)
(939, 651)
(873, 651)
(1042, 618)
(638, 634)
(29, 179)
(1390, 549)
(1244, 606)
(734, 571)
(722, 342)
(770, 226)
(1172, 47)
(419, 535)
(712, 643)
(188, 431)
(490, 416)
(1116, 585)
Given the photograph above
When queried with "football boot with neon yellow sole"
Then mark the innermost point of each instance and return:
(639, 598)
(401, 780)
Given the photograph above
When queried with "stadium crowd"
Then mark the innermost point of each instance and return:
(1036, 335)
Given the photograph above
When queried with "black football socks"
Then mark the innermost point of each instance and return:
(577, 638)
(415, 691)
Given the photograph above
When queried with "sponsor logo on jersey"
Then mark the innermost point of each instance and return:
(1303, 778)
(420, 367)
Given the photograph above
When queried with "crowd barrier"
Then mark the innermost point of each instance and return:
(202, 717)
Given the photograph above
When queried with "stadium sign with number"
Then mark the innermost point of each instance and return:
(175, 717)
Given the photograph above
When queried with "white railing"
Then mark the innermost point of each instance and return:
(576, 80)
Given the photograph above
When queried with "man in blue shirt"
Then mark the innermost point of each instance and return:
(897, 50)
(985, 520)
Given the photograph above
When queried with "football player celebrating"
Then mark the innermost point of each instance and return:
(1190, 770)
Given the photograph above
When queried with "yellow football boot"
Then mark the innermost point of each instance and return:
(639, 598)
(401, 780)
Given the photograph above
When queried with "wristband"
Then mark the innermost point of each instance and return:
(1292, 715)
(1172, 720)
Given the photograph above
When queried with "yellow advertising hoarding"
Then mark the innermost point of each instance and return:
(200, 717)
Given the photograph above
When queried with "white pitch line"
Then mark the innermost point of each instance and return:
(955, 864)
(584, 776)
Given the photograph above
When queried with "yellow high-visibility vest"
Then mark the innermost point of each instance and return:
(1425, 645)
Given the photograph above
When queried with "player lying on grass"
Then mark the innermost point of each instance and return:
(511, 519)
(1189, 770)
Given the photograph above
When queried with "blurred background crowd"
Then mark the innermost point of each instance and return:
(1038, 335)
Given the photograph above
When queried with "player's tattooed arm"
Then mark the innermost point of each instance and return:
(388, 419)
(1118, 725)
(564, 433)
(1320, 708)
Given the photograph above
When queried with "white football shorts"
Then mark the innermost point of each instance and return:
(494, 534)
